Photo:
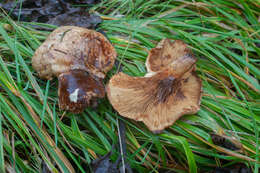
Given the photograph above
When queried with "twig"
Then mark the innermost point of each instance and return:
(122, 143)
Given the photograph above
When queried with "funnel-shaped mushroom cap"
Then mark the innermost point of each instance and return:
(80, 58)
(70, 47)
(159, 100)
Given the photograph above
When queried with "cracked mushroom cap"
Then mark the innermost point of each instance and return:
(163, 96)
(80, 58)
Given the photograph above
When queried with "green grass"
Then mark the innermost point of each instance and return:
(223, 35)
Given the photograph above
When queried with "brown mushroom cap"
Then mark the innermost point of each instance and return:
(70, 47)
(160, 99)
(168, 54)
(80, 58)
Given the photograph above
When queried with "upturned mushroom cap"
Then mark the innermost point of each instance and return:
(171, 90)
(80, 58)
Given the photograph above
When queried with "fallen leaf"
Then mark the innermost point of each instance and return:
(56, 12)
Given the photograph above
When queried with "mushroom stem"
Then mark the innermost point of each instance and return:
(77, 89)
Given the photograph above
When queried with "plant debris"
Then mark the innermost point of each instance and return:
(75, 55)
(44, 167)
(56, 12)
(104, 164)
(226, 142)
(238, 168)
(170, 89)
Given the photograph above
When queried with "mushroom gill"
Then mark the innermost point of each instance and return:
(170, 89)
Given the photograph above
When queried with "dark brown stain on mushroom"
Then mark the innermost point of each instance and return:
(165, 88)
(179, 95)
(77, 88)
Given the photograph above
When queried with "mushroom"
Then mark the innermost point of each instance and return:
(169, 90)
(80, 58)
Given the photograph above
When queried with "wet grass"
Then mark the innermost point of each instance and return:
(224, 36)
